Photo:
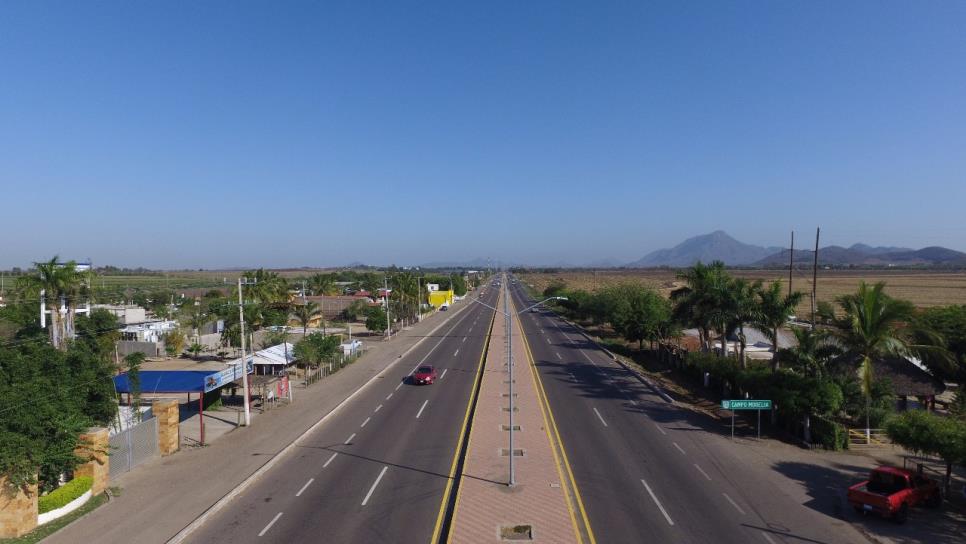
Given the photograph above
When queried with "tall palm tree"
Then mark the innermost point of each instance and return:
(705, 302)
(774, 307)
(62, 285)
(305, 313)
(873, 325)
(744, 310)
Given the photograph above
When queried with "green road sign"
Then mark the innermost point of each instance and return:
(746, 404)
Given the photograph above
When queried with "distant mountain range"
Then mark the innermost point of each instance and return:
(863, 255)
(719, 246)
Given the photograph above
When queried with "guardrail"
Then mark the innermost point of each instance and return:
(868, 437)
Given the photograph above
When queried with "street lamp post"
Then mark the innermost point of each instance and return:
(509, 354)
(241, 324)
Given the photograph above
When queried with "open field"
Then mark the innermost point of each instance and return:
(922, 288)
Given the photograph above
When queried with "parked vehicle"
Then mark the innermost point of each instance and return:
(424, 375)
(891, 491)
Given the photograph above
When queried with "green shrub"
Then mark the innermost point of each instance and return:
(64, 494)
(829, 434)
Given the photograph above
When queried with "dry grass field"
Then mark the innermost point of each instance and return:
(922, 288)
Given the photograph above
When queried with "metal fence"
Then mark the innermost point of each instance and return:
(133, 446)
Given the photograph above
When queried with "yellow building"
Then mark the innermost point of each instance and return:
(440, 298)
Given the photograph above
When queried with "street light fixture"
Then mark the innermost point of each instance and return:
(241, 324)
(509, 353)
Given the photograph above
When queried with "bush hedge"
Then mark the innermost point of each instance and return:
(64, 494)
(829, 434)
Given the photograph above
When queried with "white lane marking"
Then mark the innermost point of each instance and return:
(634, 402)
(269, 526)
(679, 448)
(660, 429)
(455, 353)
(304, 487)
(470, 329)
(657, 502)
(398, 386)
(377, 409)
(366, 422)
(347, 440)
(733, 503)
(441, 376)
(421, 408)
(549, 342)
(558, 356)
(572, 377)
(330, 459)
(464, 339)
(600, 417)
(374, 484)
(703, 473)
(768, 538)
(389, 396)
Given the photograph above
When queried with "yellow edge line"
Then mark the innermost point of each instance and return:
(563, 452)
(550, 439)
(466, 419)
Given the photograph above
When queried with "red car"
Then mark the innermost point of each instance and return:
(890, 492)
(425, 374)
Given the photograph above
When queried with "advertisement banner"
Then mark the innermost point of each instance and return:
(230, 374)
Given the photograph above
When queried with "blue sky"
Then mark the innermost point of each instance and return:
(211, 134)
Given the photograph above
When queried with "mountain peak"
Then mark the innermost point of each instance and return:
(715, 246)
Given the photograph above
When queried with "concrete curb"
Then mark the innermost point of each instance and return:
(253, 477)
(643, 379)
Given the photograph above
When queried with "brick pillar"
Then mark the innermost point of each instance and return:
(169, 437)
(18, 509)
(93, 448)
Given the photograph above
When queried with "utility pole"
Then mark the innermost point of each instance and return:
(385, 297)
(791, 263)
(241, 324)
(419, 299)
(815, 278)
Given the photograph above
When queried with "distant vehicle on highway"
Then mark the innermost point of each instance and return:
(443, 308)
(891, 491)
(424, 375)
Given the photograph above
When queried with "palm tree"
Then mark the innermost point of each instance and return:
(873, 325)
(305, 314)
(744, 310)
(706, 302)
(322, 284)
(62, 285)
(812, 352)
(774, 307)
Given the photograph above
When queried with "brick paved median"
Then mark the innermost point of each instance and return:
(485, 504)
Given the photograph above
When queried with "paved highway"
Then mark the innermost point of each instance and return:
(649, 471)
(377, 471)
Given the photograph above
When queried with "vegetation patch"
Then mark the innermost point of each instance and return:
(63, 495)
(48, 529)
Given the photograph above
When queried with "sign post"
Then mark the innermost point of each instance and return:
(745, 404)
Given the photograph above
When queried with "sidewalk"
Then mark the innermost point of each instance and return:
(160, 498)
(485, 505)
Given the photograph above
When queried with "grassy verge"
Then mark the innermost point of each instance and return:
(48, 529)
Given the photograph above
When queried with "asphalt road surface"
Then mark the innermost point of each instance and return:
(377, 471)
(649, 471)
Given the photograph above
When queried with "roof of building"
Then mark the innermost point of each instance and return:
(280, 354)
(907, 379)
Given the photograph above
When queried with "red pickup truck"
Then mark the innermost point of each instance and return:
(890, 492)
